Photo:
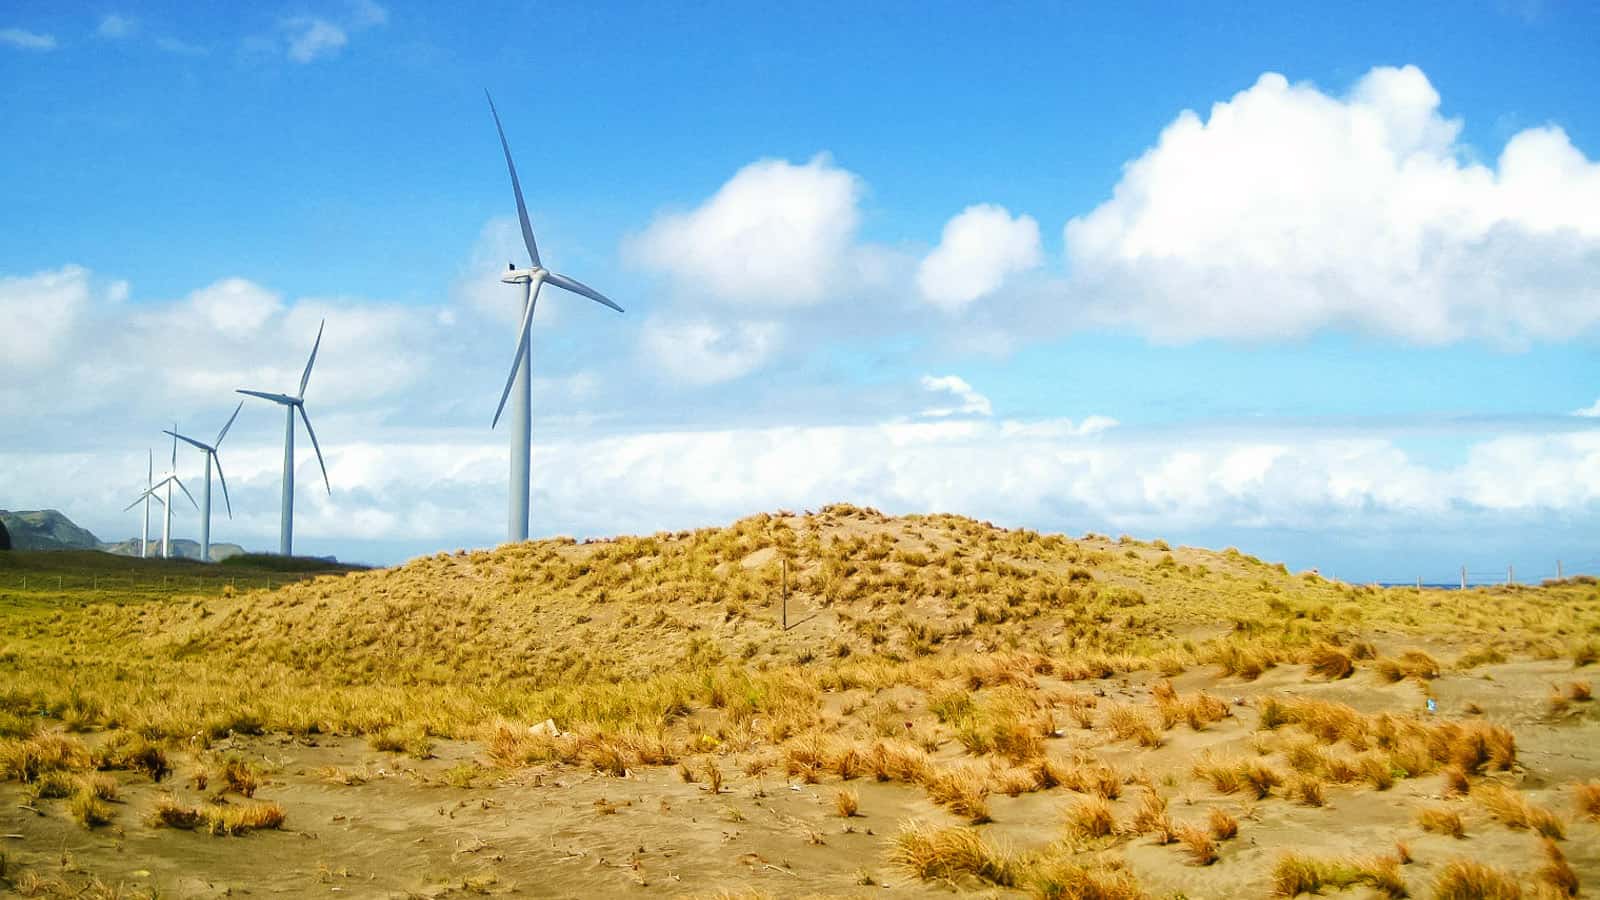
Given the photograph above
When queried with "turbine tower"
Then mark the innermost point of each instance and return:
(521, 379)
(210, 451)
(290, 404)
(145, 498)
(167, 481)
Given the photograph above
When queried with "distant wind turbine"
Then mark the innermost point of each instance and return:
(145, 498)
(290, 404)
(521, 377)
(210, 451)
(167, 481)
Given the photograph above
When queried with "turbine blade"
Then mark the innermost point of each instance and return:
(516, 187)
(186, 492)
(137, 500)
(307, 376)
(224, 432)
(522, 347)
(174, 433)
(188, 440)
(224, 479)
(578, 287)
(150, 475)
(283, 399)
(307, 419)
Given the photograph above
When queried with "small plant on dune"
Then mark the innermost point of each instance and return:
(1061, 879)
(713, 777)
(241, 818)
(1586, 797)
(1223, 825)
(1515, 810)
(1456, 783)
(169, 813)
(1556, 871)
(949, 854)
(1305, 790)
(1331, 663)
(127, 750)
(1585, 653)
(1260, 777)
(88, 809)
(1442, 821)
(1411, 664)
(1580, 692)
(964, 791)
(1152, 818)
(1402, 852)
(1091, 817)
(1464, 879)
(1295, 874)
(25, 759)
(1129, 724)
(238, 775)
(103, 787)
(53, 785)
(846, 803)
(413, 741)
(1200, 846)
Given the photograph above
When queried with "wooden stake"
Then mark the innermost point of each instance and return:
(1463, 578)
(786, 594)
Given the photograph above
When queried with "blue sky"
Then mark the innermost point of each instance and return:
(1342, 312)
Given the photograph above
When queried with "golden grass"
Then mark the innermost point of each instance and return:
(1516, 811)
(1305, 790)
(1061, 879)
(1294, 874)
(1442, 821)
(1331, 663)
(1091, 817)
(846, 803)
(1198, 844)
(89, 809)
(1222, 824)
(950, 854)
(1586, 797)
(1556, 872)
(1151, 818)
(1463, 879)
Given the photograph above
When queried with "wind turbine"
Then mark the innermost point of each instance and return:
(167, 481)
(290, 404)
(205, 492)
(145, 498)
(521, 377)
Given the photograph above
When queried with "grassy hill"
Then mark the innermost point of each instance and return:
(991, 687)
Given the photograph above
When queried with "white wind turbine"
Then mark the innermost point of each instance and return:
(145, 498)
(210, 451)
(167, 481)
(290, 404)
(521, 378)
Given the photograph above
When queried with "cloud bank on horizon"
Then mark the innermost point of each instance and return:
(1283, 213)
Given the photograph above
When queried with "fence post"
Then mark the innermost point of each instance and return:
(1463, 578)
(58, 582)
(1558, 570)
(1511, 575)
(1419, 582)
(786, 594)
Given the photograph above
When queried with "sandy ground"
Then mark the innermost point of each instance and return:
(572, 833)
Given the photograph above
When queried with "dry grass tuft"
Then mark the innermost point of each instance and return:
(1060, 879)
(1223, 825)
(1464, 879)
(846, 803)
(25, 759)
(1455, 781)
(1442, 821)
(88, 809)
(1091, 817)
(1331, 663)
(949, 854)
(1129, 724)
(1200, 846)
(1151, 818)
(230, 819)
(1295, 874)
(1516, 811)
(1586, 797)
(1556, 871)
(1306, 790)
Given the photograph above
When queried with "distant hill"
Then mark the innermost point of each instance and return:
(50, 529)
(46, 529)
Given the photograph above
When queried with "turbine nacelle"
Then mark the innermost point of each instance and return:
(515, 275)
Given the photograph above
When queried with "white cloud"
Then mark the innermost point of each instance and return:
(180, 47)
(776, 234)
(1288, 211)
(702, 352)
(40, 311)
(365, 13)
(971, 402)
(311, 37)
(1591, 411)
(979, 248)
(116, 27)
(27, 40)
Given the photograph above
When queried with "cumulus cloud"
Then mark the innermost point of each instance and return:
(970, 402)
(776, 234)
(978, 249)
(40, 311)
(1289, 210)
(1591, 411)
(703, 352)
(27, 40)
